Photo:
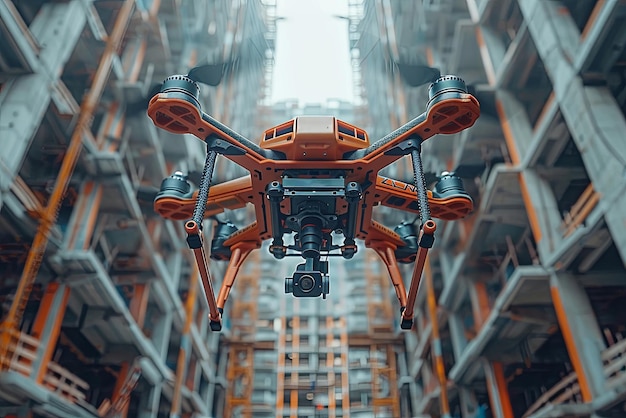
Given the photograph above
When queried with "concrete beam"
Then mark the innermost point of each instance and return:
(111, 298)
(497, 318)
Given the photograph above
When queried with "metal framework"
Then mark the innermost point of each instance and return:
(92, 281)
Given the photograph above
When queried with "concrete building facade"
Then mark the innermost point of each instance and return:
(529, 289)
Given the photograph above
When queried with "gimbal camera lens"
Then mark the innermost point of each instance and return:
(307, 283)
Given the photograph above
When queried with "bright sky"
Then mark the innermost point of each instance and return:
(312, 57)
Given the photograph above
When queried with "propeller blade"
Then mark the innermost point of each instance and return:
(431, 178)
(464, 171)
(486, 97)
(416, 75)
(139, 106)
(147, 193)
(469, 171)
(210, 74)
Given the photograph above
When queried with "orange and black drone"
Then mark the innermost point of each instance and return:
(315, 177)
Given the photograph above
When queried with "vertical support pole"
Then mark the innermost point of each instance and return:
(47, 326)
(139, 303)
(330, 364)
(184, 351)
(480, 303)
(498, 390)
(280, 375)
(149, 402)
(581, 333)
(345, 386)
(117, 390)
(295, 363)
(436, 346)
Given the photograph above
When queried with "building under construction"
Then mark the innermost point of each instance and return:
(521, 310)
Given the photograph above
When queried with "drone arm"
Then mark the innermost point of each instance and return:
(451, 113)
(232, 144)
(233, 194)
(177, 111)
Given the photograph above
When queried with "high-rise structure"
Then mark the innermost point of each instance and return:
(525, 316)
(102, 314)
(521, 308)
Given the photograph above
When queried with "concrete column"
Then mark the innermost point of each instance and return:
(480, 303)
(161, 334)
(516, 127)
(498, 390)
(457, 334)
(467, 399)
(581, 332)
(543, 213)
(47, 326)
(83, 220)
(149, 402)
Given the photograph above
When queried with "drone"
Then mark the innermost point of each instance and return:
(316, 178)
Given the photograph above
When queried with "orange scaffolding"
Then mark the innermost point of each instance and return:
(385, 396)
(48, 214)
(243, 318)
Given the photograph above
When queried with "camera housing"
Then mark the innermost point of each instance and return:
(308, 283)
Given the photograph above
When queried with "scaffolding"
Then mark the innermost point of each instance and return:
(100, 307)
(313, 369)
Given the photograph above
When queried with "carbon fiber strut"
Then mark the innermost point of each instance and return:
(426, 237)
(193, 228)
(203, 191)
(420, 185)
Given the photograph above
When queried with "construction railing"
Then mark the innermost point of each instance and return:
(568, 389)
(22, 353)
(614, 359)
(64, 383)
(580, 210)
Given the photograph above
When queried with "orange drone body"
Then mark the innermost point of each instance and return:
(314, 138)
(313, 176)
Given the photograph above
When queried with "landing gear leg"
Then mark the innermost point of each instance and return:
(426, 238)
(193, 228)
